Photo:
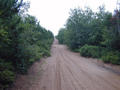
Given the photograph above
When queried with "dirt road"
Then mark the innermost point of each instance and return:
(66, 70)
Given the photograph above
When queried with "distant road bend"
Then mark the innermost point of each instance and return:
(66, 70)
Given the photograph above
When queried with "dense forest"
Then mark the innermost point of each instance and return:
(22, 40)
(93, 34)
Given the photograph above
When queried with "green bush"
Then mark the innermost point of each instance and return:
(7, 77)
(111, 57)
(46, 52)
(90, 51)
(75, 50)
(5, 65)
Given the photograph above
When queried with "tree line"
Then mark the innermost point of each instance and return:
(93, 34)
(22, 40)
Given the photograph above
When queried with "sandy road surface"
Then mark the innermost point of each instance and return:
(66, 70)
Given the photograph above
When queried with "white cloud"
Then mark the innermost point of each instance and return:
(53, 14)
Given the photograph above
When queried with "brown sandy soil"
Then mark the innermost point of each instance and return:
(66, 70)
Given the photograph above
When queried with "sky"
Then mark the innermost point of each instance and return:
(53, 14)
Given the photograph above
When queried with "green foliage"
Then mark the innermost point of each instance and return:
(98, 52)
(83, 27)
(22, 40)
(111, 57)
(90, 51)
(60, 36)
(5, 65)
(9, 7)
(31, 41)
(93, 33)
(7, 77)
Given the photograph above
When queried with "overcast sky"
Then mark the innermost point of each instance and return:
(53, 14)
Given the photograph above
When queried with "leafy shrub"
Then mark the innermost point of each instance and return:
(46, 52)
(90, 51)
(5, 65)
(111, 57)
(76, 50)
(7, 77)
(98, 52)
